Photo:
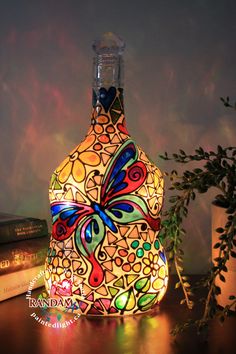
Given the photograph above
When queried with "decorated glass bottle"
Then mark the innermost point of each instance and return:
(106, 196)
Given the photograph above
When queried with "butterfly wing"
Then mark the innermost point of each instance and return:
(124, 174)
(89, 235)
(90, 231)
(128, 208)
(66, 216)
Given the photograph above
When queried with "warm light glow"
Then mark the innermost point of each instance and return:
(105, 198)
(219, 219)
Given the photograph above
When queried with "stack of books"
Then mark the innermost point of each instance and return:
(24, 243)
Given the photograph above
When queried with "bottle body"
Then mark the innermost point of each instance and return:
(105, 198)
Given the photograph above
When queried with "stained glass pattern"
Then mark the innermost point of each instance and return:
(105, 198)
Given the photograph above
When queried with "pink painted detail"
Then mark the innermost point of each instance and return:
(82, 236)
(53, 290)
(83, 306)
(106, 303)
(90, 297)
(77, 291)
(63, 288)
(113, 310)
(94, 311)
(98, 305)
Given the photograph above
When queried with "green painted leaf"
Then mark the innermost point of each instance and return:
(146, 301)
(142, 284)
(126, 217)
(126, 300)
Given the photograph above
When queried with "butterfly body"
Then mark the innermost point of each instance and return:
(105, 218)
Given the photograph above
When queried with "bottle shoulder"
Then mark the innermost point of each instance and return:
(97, 168)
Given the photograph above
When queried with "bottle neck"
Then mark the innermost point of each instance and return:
(108, 106)
(107, 71)
(108, 112)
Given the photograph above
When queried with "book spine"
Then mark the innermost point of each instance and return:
(22, 255)
(19, 282)
(22, 230)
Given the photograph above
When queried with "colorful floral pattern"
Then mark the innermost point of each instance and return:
(151, 265)
(74, 163)
(105, 198)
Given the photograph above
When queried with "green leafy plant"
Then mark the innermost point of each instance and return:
(217, 169)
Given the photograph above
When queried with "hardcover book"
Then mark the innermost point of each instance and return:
(16, 283)
(16, 228)
(24, 254)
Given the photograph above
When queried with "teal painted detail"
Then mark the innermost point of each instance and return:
(139, 252)
(157, 245)
(147, 246)
(135, 244)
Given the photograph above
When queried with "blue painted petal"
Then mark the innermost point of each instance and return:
(118, 179)
(117, 213)
(72, 220)
(122, 160)
(163, 257)
(95, 227)
(57, 208)
(125, 207)
(120, 187)
(88, 233)
(67, 213)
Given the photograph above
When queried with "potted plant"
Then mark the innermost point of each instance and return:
(217, 169)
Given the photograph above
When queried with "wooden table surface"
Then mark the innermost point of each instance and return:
(145, 334)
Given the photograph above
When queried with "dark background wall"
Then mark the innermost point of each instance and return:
(180, 58)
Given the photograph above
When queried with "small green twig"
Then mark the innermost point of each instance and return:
(218, 171)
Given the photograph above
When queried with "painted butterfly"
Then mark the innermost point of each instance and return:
(117, 205)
